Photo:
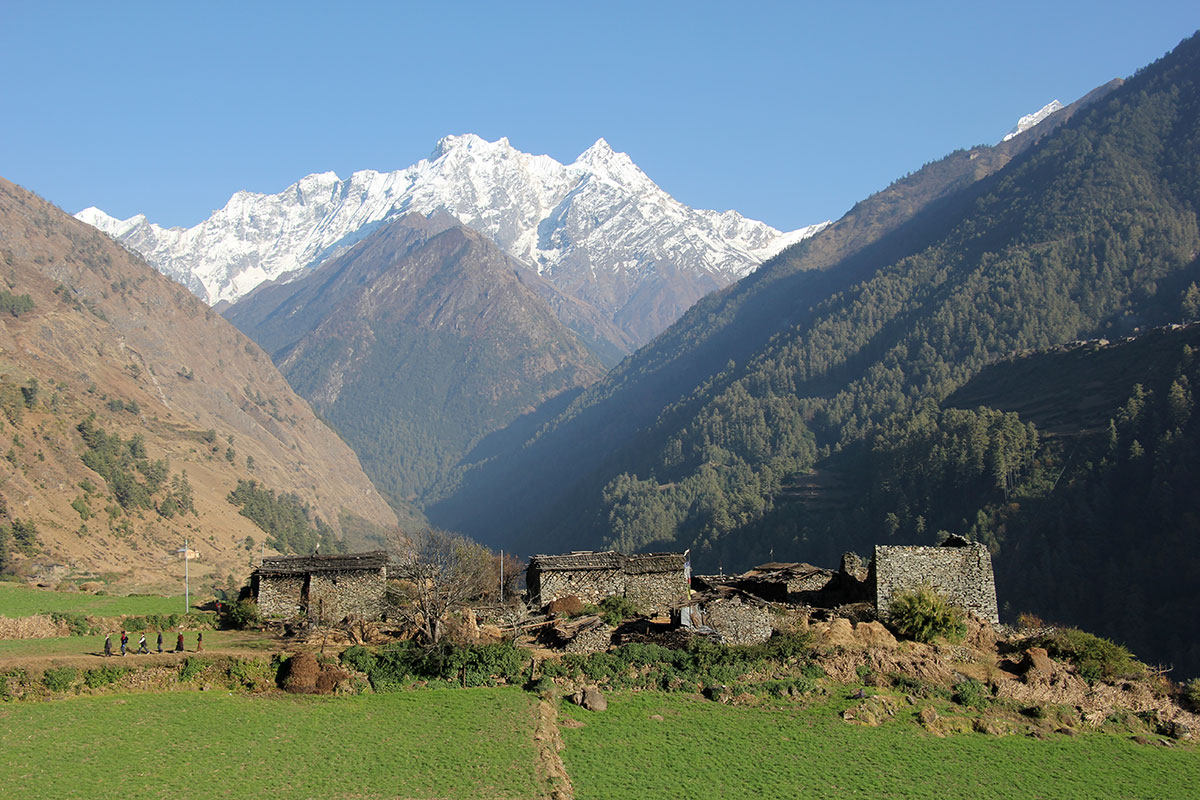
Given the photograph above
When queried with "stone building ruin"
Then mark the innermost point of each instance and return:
(325, 588)
(655, 582)
(958, 569)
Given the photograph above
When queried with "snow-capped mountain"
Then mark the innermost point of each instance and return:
(598, 229)
(1029, 120)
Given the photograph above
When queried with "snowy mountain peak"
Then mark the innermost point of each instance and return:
(114, 227)
(1029, 120)
(466, 142)
(598, 228)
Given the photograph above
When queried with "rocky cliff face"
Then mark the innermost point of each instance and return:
(109, 336)
(598, 229)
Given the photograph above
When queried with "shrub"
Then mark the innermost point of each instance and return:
(1191, 693)
(60, 679)
(191, 667)
(925, 615)
(972, 693)
(358, 658)
(1094, 657)
(103, 676)
(468, 665)
(244, 614)
(788, 646)
(250, 674)
(77, 624)
(616, 610)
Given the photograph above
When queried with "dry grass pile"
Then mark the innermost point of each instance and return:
(39, 626)
(307, 675)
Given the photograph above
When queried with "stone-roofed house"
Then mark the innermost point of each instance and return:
(329, 588)
(655, 582)
(958, 569)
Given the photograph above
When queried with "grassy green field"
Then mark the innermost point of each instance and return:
(468, 743)
(88, 645)
(702, 749)
(19, 600)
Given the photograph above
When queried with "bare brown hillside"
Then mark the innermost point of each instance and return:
(110, 336)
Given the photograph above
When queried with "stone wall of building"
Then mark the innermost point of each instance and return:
(963, 574)
(590, 586)
(281, 595)
(652, 582)
(737, 622)
(656, 592)
(333, 596)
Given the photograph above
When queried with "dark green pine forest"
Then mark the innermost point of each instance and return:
(833, 399)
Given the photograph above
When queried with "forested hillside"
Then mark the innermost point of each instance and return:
(415, 344)
(1091, 232)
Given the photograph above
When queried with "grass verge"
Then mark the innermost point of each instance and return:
(18, 600)
(700, 749)
(473, 743)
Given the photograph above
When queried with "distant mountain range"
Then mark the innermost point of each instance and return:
(416, 343)
(598, 230)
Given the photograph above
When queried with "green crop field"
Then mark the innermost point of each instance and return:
(17, 600)
(702, 749)
(468, 743)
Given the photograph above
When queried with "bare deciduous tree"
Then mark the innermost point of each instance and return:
(437, 571)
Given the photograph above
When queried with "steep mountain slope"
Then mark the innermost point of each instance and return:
(1102, 531)
(170, 405)
(598, 229)
(416, 343)
(575, 454)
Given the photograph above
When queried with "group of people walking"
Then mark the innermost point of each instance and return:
(144, 648)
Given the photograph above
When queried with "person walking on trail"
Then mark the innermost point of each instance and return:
(199, 641)
(160, 641)
(108, 645)
(124, 642)
(142, 648)
(179, 643)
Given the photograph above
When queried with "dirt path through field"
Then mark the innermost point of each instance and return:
(97, 659)
(549, 742)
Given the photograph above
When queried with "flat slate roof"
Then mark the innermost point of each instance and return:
(638, 563)
(298, 565)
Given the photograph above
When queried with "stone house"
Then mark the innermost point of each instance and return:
(958, 569)
(326, 588)
(655, 582)
(736, 616)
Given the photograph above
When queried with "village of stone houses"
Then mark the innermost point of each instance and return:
(907, 640)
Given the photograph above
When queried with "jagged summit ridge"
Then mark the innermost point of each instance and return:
(597, 216)
(1029, 120)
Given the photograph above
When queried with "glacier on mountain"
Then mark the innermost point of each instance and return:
(570, 222)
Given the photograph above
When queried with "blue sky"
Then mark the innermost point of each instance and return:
(787, 112)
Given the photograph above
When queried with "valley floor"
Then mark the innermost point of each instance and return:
(492, 743)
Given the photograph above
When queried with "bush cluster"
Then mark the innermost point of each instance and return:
(466, 665)
(76, 623)
(614, 610)
(60, 679)
(103, 676)
(244, 614)
(701, 664)
(1191, 694)
(164, 622)
(1095, 658)
(925, 615)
